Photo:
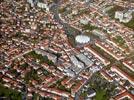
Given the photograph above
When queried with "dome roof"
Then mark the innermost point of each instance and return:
(82, 39)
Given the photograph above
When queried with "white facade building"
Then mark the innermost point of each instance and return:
(43, 5)
(124, 16)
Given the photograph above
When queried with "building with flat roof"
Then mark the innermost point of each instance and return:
(84, 59)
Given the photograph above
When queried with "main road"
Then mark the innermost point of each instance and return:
(67, 28)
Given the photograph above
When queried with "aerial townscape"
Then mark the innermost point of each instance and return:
(66, 49)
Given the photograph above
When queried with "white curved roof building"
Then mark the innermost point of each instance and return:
(82, 39)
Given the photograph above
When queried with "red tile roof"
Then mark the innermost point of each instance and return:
(123, 95)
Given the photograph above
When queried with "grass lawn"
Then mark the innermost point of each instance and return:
(111, 14)
(112, 11)
(71, 40)
(62, 10)
(9, 93)
(42, 59)
(101, 95)
(120, 41)
(89, 27)
(130, 24)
